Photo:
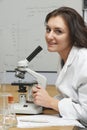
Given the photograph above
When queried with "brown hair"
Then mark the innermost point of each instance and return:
(75, 23)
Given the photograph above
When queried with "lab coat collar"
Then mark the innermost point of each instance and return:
(72, 55)
(69, 61)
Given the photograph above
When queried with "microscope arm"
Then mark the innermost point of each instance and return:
(40, 78)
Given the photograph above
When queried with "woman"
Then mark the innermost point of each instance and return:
(66, 34)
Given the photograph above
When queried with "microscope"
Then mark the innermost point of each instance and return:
(26, 104)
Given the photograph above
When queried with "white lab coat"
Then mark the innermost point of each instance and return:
(72, 83)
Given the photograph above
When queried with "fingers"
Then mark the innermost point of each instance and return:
(36, 91)
(36, 88)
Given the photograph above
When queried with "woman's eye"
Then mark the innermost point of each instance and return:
(48, 30)
(58, 31)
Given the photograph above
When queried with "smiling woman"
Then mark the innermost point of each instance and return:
(57, 36)
(66, 34)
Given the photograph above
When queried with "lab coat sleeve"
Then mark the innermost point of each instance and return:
(66, 109)
(75, 110)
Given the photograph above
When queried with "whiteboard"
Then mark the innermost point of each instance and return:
(22, 30)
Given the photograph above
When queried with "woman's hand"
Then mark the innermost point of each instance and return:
(42, 98)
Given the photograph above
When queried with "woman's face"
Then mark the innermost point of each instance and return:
(57, 36)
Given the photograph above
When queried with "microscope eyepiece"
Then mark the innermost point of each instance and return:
(34, 53)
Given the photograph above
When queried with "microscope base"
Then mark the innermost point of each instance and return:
(27, 108)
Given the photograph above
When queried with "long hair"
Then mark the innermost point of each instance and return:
(75, 23)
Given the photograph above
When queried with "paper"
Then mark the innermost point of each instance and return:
(32, 121)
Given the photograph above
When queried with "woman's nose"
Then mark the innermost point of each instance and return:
(51, 35)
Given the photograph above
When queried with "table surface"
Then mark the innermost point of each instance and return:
(52, 91)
